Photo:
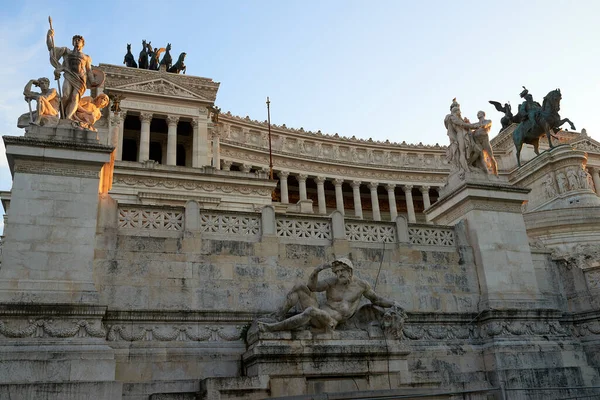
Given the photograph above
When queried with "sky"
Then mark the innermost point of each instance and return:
(384, 69)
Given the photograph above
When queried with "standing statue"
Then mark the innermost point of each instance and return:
(537, 121)
(507, 120)
(562, 182)
(90, 110)
(129, 61)
(167, 60)
(179, 66)
(77, 69)
(458, 133)
(482, 138)
(143, 58)
(46, 111)
(572, 178)
(549, 187)
(343, 293)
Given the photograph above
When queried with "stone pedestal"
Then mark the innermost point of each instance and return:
(52, 343)
(49, 244)
(343, 361)
(491, 209)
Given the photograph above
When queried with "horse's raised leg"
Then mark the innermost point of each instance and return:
(562, 121)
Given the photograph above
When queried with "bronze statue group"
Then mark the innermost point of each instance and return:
(149, 58)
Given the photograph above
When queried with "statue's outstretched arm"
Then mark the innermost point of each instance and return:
(377, 299)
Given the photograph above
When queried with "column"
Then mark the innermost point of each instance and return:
(246, 168)
(195, 139)
(409, 203)
(596, 177)
(172, 140)
(392, 201)
(321, 194)
(226, 165)
(283, 186)
(216, 150)
(144, 151)
(425, 191)
(375, 201)
(339, 195)
(357, 204)
(122, 115)
(302, 182)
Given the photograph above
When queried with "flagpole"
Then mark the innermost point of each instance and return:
(270, 153)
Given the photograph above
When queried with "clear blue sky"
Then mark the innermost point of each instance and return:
(380, 69)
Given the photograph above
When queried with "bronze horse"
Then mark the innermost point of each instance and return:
(143, 58)
(539, 123)
(129, 61)
(179, 66)
(167, 60)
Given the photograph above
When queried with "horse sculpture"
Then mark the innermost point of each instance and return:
(154, 56)
(179, 66)
(143, 58)
(129, 61)
(539, 122)
(167, 60)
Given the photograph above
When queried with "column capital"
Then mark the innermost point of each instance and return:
(172, 119)
(283, 174)
(146, 117)
(226, 165)
(194, 122)
(407, 188)
(424, 188)
(302, 177)
(390, 187)
(373, 185)
(116, 119)
(246, 167)
(320, 179)
(356, 184)
(338, 182)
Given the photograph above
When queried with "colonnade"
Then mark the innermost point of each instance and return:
(172, 124)
(339, 194)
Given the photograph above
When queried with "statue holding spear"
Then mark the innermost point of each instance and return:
(78, 72)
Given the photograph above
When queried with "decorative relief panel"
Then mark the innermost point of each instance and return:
(230, 224)
(371, 232)
(41, 328)
(151, 219)
(303, 229)
(431, 236)
(174, 333)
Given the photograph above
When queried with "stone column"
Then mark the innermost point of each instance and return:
(216, 149)
(283, 183)
(375, 201)
(226, 165)
(409, 203)
(246, 168)
(425, 192)
(195, 144)
(339, 195)
(302, 183)
(321, 194)
(172, 140)
(121, 116)
(392, 201)
(144, 151)
(357, 204)
(596, 177)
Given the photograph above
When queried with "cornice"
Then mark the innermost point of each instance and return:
(228, 117)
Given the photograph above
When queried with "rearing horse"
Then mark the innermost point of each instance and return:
(539, 122)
